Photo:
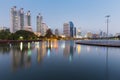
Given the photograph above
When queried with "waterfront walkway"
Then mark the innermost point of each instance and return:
(107, 43)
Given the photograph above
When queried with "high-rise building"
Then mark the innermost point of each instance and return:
(28, 21)
(56, 32)
(44, 29)
(66, 29)
(74, 31)
(21, 19)
(4, 28)
(14, 20)
(78, 33)
(71, 29)
(39, 23)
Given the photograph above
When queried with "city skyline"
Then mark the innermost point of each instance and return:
(87, 15)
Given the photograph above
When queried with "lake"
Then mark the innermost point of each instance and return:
(58, 60)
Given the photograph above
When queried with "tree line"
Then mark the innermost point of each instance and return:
(25, 35)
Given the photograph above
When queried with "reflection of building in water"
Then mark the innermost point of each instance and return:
(4, 48)
(78, 49)
(88, 48)
(51, 44)
(41, 51)
(69, 49)
(44, 48)
(66, 49)
(55, 45)
(21, 58)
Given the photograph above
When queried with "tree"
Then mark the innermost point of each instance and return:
(49, 33)
(4, 34)
(24, 35)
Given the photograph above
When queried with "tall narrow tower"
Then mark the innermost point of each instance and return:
(28, 21)
(71, 29)
(21, 19)
(14, 20)
(39, 23)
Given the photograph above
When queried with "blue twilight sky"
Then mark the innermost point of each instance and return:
(89, 15)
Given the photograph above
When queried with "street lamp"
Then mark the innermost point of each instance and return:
(107, 16)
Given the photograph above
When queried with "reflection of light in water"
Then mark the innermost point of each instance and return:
(28, 45)
(55, 44)
(63, 45)
(79, 48)
(21, 46)
(70, 58)
(48, 43)
(51, 45)
(29, 52)
(37, 44)
(88, 48)
(10, 45)
(48, 53)
(38, 58)
(96, 49)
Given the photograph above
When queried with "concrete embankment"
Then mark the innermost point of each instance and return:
(106, 43)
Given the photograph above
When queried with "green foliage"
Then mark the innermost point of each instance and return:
(23, 35)
(49, 34)
(4, 34)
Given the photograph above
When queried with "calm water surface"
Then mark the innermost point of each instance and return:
(58, 60)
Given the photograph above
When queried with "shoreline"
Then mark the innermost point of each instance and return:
(16, 41)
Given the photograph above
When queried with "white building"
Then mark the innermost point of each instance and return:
(66, 29)
(14, 20)
(21, 18)
(19, 21)
(28, 26)
(3, 28)
(79, 33)
(44, 28)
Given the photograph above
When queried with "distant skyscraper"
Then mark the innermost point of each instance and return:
(39, 23)
(21, 19)
(28, 21)
(71, 29)
(66, 29)
(78, 33)
(57, 32)
(74, 31)
(14, 20)
(44, 28)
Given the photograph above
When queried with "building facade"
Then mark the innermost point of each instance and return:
(66, 29)
(14, 20)
(69, 30)
(44, 29)
(74, 32)
(28, 26)
(39, 23)
(21, 19)
(56, 32)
